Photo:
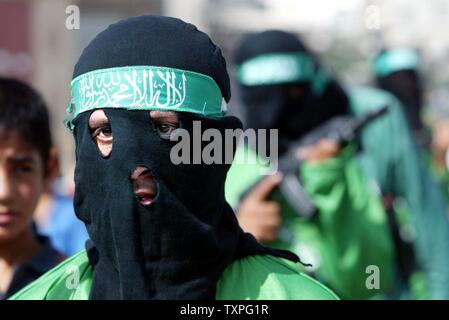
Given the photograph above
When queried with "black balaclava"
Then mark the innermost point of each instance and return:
(404, 82)
(276, 106)
(406, 86)
(179, 245)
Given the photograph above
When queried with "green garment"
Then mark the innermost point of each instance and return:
(393, 161)
(441, 174)
(253, 277)
(349, 234)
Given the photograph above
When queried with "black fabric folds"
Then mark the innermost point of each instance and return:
(156, 41)
(406, 86)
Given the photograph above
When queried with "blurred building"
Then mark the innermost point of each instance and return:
(421, 24)
(346, 33)
(37, 46)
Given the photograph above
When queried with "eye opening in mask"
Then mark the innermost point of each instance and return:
(101, 132)
(164, 123)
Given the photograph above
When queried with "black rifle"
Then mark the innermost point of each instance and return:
(342, 130)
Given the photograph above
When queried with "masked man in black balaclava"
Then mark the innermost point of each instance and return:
(159, 230)
(283, 87)
(397, 72)
(281, 103)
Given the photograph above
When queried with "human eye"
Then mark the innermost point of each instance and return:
(103, 134)
(165, 130)
(23, 168)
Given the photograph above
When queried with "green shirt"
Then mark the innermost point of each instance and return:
(348, 235)
(392, 160)
(351, 230)
(253, 277)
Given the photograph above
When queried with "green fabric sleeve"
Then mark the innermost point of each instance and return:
(70, 280)
(393, 161)
(245, 172)
(269, 278)
(254, 277)
(352, 226)
(349, 233)
(441, 174)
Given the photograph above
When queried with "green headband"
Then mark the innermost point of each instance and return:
(146, 88)
(396, 60)
(276, 68)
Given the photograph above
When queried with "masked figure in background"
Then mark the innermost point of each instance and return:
(159, 230)
(397, 71)
(283, 87)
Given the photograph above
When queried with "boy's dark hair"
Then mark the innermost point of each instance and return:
(23, 110)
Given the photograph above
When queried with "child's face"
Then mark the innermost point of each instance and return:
(22, 180)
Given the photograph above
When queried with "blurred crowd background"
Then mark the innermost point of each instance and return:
(36, 46)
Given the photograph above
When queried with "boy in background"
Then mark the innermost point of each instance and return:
(25, 143)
